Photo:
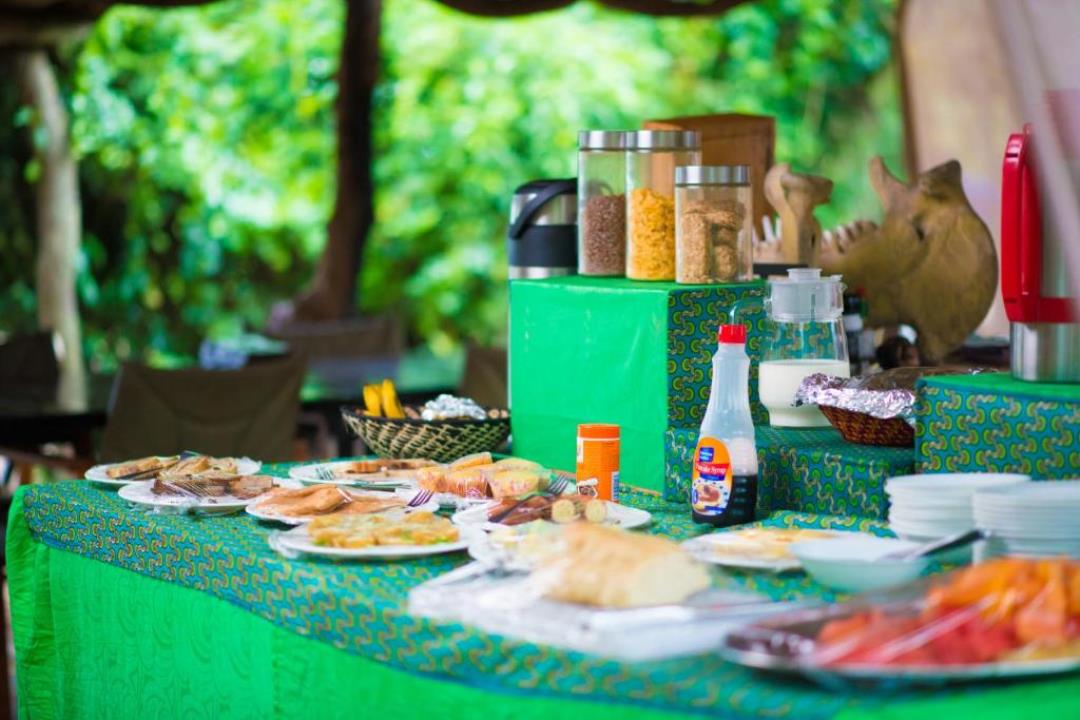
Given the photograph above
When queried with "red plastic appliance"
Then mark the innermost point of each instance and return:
(1045, 321)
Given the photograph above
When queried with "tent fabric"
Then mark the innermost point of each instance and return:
(668, 8)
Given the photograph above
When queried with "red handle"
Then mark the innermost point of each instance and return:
(1021, 231)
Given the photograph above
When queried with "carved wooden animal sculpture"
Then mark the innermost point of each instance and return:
(794, 196)
(931, 264)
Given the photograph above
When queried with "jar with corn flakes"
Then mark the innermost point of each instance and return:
(651, 159)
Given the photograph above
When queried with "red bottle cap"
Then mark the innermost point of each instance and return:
(732, 334)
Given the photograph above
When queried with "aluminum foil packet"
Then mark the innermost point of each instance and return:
(883, 395)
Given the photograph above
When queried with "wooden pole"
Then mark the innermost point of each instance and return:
(59, 214)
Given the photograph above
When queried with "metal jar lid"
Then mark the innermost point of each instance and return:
(603, 139)
(712, 175)
(664, 140)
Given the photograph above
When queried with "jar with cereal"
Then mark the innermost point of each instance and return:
(713, 225)
(651, 159)
(602, 202)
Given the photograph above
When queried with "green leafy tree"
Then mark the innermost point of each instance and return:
(206, 138)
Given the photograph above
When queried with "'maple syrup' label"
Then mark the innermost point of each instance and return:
(711, 484)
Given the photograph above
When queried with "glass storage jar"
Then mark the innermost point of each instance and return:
(602, 202)
(712, 224)
(651, 159)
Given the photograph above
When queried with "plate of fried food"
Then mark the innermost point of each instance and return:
(754, 548)
(376, 536)
(148, 468)
(362, 472)
(296, 506)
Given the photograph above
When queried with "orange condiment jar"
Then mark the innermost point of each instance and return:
(598, 459)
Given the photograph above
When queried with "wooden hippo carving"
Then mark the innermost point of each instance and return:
(930, 264)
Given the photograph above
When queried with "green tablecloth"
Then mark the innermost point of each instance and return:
(118, 613)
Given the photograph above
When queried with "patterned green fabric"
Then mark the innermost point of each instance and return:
(995, 423)
(811, 470)
(82, 634)
(228, 558)
(694, 317)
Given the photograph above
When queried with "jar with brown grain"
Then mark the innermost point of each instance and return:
(651, 159)
(712, 224)
(602, 202)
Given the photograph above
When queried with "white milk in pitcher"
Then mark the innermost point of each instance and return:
(779, 380)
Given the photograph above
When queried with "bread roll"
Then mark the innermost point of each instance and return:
(607, 567)
(483, 458)
(432, 478)
(513, 463)
(513, 483)
(470, 483)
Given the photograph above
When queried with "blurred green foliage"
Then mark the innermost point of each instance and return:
(206, 135)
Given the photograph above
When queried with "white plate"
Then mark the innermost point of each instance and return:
(930, 484)
(1045, 494)
(253, 510)
(542, 538)
(297, 540)
(621, 516)
(310, 474)
(924, 527)
(244, 466)
(141, 493)
(711, 549)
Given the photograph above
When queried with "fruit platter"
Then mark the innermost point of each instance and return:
(1008, 617)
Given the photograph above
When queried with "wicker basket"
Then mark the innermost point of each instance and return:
(440, 440)
(857, 427)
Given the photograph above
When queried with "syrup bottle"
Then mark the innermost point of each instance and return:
(723, 489)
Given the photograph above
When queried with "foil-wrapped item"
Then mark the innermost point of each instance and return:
(448, 407)
(882, 395)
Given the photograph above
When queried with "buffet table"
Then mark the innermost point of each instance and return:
(120, 613)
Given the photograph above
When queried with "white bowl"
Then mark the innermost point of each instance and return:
(853, 563)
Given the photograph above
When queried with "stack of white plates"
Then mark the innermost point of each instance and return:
(925, 507)
(1041, 518)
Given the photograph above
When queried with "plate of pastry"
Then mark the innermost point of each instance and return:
(296, 506)
(362, 472)
(148, 468)
(375, 536)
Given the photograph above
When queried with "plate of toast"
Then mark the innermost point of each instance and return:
(184, 465)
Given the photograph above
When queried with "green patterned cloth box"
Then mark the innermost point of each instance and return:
(360, 607)
(617, 351)
(995, 423)
(810, 470)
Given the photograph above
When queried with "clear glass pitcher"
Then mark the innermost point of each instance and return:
(806, 336)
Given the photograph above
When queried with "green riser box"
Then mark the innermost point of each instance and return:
(995, 423)
(618, 351)
(810, 470)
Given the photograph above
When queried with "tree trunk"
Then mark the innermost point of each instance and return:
(331, 293)
(59, 213)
